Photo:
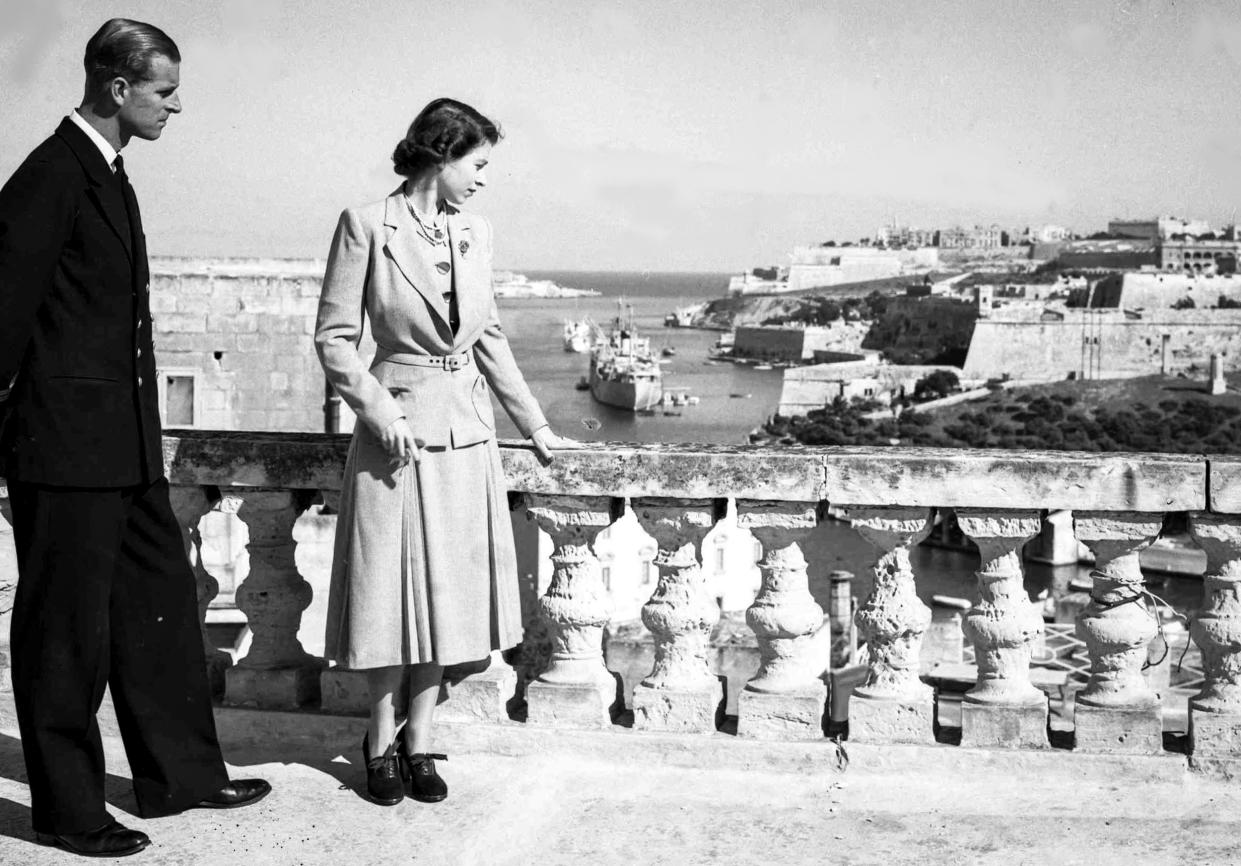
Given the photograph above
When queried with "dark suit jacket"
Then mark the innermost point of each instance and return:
(75, 323)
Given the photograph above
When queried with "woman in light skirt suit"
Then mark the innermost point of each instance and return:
(424, 572)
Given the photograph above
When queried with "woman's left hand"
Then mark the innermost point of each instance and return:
(545, 441)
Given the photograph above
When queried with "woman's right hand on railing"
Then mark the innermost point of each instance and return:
(398, 440)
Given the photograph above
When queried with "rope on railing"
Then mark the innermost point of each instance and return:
(1156, 601)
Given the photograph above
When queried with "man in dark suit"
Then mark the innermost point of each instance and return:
(105, 596)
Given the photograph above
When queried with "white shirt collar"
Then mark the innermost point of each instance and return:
(109, 153)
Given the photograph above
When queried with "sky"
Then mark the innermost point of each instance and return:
(697, 135)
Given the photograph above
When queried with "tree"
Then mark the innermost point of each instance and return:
(1185, 303)
(941, 383)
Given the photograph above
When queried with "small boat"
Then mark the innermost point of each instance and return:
(579, 335)
(740, 396)
(668, 351)
(762, 366)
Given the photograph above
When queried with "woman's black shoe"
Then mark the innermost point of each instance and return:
(425, 785)
(383, 775)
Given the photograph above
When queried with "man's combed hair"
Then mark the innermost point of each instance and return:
(444, 131)
(124, 48)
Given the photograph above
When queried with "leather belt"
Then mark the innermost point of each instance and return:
(442, 362)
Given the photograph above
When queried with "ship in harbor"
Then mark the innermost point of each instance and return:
(623, 372)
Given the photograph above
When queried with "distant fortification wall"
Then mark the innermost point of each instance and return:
(1059, 343)
(234, 343)
(1156, 290)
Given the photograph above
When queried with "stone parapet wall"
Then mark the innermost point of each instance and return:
(847, 475)
(677, 494)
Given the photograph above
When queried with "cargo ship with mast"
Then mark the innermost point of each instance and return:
(623, 372)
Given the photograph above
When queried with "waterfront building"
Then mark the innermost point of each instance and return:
(976, 238)
(862, 378)
(1202, 256)
(1156, 229)
(896, 235)
(794, 344)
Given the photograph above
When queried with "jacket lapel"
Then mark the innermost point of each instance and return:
(467, 276)
(105, 190)
(407, 252)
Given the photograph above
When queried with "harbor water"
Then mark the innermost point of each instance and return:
(733, 399)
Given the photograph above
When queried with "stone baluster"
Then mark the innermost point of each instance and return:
(1215, 712)
(1004, 708)
(277, 672)
(1117, 711)
(190, 504)
(680, 693)
(893, 704)
(576, 688)
(787, 696)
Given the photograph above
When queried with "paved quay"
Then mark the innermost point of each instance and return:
(525, 796)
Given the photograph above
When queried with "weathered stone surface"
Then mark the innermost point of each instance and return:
(1214, 735)
(345, 691)
(684, 709)
(860, 475)
(570, 705)
(1004, 726)
(1117, 625)
(278, 689)
(481, 696)
(884, 720)
(1224, 494)
(683, 471)
(274, 594)
(784, 616)
(1008, 479)
(893, 618)
(309, 461)
(794, 715)
(681, 613)
(576, 606)
(1004, 625)
(1133, 729)
(1217, 627)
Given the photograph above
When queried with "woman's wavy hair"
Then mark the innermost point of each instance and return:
(443, 131)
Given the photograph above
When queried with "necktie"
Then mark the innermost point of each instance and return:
(131, 210)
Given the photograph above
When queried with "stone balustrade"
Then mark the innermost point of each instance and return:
(678, 493)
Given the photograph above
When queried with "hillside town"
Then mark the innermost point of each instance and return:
(986, 308)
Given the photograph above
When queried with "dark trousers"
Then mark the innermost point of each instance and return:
(106, 597)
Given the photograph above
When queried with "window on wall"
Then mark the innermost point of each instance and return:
(178, 398)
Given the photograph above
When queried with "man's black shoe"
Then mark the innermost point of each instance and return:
(234, 795)
(110, 840)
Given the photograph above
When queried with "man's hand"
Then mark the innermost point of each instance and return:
(398, 441)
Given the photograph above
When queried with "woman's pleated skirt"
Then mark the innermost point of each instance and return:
(424, 568)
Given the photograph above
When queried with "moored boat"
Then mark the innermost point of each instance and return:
(623, 372)
(579, 335)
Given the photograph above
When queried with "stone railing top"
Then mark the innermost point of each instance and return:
(842, 476)
(1224, 493)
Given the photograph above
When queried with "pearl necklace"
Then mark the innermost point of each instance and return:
(434, 232)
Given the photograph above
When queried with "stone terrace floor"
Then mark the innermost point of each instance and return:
(525, 796)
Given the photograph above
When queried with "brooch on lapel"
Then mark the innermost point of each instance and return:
(463, 246)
